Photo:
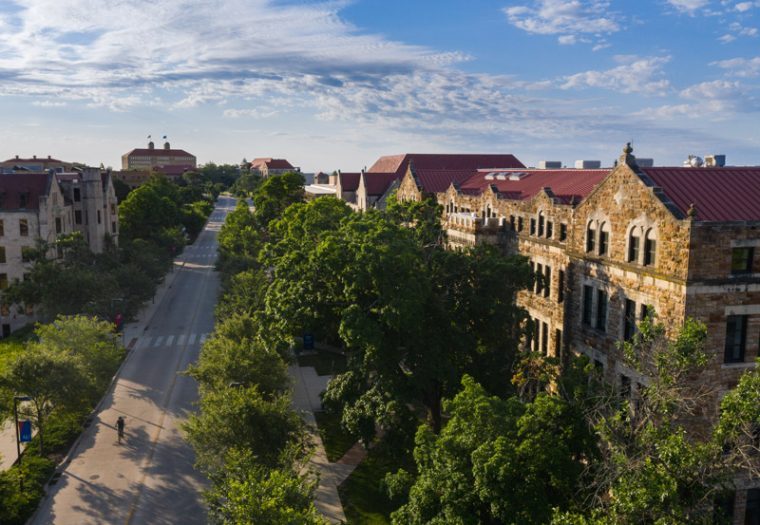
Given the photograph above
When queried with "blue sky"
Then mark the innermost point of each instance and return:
(333, 85)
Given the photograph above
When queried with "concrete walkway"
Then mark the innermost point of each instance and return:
(307, 386)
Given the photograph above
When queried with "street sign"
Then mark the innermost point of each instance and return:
(308, 341)
(25, 431)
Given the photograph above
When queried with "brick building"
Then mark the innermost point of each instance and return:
(151, 158)
(607, 244)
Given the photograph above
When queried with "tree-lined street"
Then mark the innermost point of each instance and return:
(149, 478)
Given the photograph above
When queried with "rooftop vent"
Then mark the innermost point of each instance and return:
(588, 164)
(490, 176)
(549, 164)
(693, 162)
(644, 163)
(715, 161)
(520, 175)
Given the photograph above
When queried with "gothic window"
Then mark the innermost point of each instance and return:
(590, 237)
(604, 239)
(650, 248)
(633, 246)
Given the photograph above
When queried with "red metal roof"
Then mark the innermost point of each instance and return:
(568, 185)
(349, 181)
(439, 161)
(718, 194)
(147, 152)
(34, 185)
(438, 181)
(378, 183)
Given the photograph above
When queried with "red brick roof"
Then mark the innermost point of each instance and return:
(349, 181)
(718, 194)
(34, 185)
(378, 183)
(157, 152)
(568, 185)
(438, 161)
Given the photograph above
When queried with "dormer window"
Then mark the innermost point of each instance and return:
(590, 238)
(604, 239)
(633, 246)
(650, 248)
(541, 224)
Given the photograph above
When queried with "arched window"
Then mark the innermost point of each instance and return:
(604, 239)
(650, 248)
(541, 221)
(634, 241)
(590, 237)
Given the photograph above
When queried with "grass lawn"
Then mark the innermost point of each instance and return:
(325, 362)
(364, 502)
(336, 440)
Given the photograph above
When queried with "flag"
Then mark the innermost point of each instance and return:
(148, 136)
(164, 136)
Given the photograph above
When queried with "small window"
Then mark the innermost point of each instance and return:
(741, 260)
(2, 254)
(604, 239)
(58, 225)
(532, 226)
(113, 209)
(98, 216)
(2, 228)
(590, 238)
(629, 320)
(512, 222)
(647, 312)
(23, 228)
(601, 310)
(113, 226)
(544, 338)
(557, 342)
(588, 301)
(650, 249)
(752, 508)
(736, 338)
(77, 195)
(519, 224)
(3, 281)
(548, 280)
(561, 286)
(541, 225)
(78, 216)
(633, 247)
(26, 254)
(625, 386)
(539, 278)
(562, 232)
(549, 229)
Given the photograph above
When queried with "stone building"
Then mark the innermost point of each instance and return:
(150, 158)
(608, 245)
(32, 207)
(266, 166)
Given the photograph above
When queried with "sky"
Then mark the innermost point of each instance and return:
(336, 84)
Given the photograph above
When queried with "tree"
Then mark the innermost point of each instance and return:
(498, 461)
(240, 241)
(252, 494)
(149, 209)
(275, 194)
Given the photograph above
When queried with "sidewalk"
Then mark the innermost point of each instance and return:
(307, 386)
(131, 332)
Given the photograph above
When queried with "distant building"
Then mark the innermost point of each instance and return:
(34, 164)
(267, 166)
(42, 206)
(151, 158)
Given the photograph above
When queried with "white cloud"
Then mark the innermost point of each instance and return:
(567, 18)
(740, 67)
(688, 6)
(634, 75)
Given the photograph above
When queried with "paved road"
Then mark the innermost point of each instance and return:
(148, 478)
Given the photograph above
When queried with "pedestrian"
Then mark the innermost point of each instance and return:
(120, 427)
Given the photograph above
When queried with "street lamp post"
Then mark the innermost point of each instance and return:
(16, 399)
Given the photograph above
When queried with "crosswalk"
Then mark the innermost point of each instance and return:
(169, 340)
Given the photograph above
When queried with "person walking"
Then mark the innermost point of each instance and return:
(120, 427)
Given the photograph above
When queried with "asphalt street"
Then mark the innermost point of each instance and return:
(149, 477)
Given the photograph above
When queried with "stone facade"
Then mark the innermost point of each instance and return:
(603, 260)
(150, 157)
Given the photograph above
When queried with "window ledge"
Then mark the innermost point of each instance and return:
(739, 366)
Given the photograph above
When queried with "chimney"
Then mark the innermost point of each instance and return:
(151, 145)
(549, 164)
(16, 156)
(34, 156)
(49, 157)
